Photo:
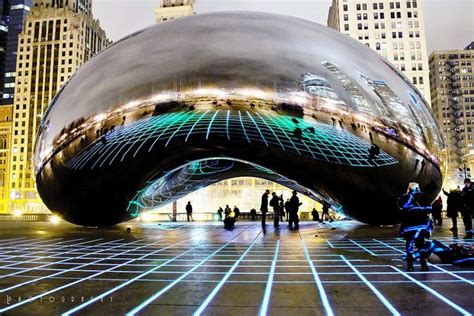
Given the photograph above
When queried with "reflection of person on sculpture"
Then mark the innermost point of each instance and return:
(416, 226)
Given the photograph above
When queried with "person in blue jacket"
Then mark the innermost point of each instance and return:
(416, 226)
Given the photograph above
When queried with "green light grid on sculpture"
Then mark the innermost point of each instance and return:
(319, 141)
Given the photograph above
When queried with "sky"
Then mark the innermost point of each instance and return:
(449, 23)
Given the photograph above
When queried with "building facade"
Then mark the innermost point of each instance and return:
(395, 29)
(171, 9)
(6, 113)
(58, 37)
(452, 93)
(13, 14)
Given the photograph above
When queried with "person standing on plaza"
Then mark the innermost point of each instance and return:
(294, 208)
(189, 212)
(315, 215)
(227, 211)
(437, 209)
(236, 213)
(453, 206)
(264, 207)
(219, 213)
(467, 195)
(287, 209)
(275, 203)
(282, 209)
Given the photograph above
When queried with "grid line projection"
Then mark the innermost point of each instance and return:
(142, 275)
(310, 139)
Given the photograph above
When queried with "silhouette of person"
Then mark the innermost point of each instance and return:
(467, 195)
(253, 214)
(454, 205)
(227, 211)
(325, 215)
(282, 209)
(189, 212)
(294, 207)
(236, 213)
(315, 215)
(437, 209)
(275, 203)
(219, 213)
(264, 207)
(374, 152)
(287, 209)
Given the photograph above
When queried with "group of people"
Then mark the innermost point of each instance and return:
(460, 201)
(324, 215)
(290, 207)
(417, 225)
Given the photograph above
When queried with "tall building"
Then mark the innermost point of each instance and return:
(452, 95)
(13, 14)
(58, 37)
(171, 9)
(395, 29)
(5, 150)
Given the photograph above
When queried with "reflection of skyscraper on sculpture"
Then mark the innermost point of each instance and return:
(356, 94)
(318, 86)
(395, 107)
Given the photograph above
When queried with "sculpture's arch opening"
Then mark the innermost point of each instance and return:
(200, 174)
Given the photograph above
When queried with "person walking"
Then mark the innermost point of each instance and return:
(189, 212)
(467, 195)
(315, 215)
(326, 207)
(275, 203)
(294, 208)
(437, 209)
(453, 207)
(264, 207)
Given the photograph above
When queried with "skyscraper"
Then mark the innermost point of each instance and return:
(59, 36)
(452, 94)
(13, 14)
(171, 9)
(395, 29)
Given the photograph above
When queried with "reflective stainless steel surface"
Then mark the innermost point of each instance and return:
(270, 92)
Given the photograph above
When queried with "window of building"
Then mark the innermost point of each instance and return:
(358, 6)
(346, 17)
(346, 27)
(344, 7)
(359, 26)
